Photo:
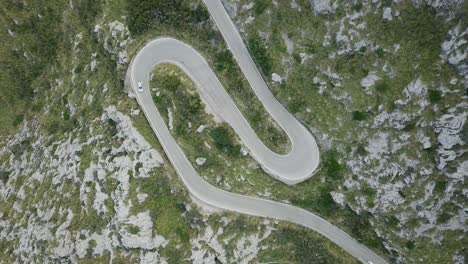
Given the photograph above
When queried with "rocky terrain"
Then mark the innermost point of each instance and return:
(405, 153)
(83, 179)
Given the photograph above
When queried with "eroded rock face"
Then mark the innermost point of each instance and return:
(450, 129)
(455, 50)
(144, 238)
(369, 80)
(322, 6)
(208, 246)
(115, 37)
(33, 159)
(448, 7)
(132, 141)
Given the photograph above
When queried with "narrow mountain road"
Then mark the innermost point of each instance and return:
(291, 168)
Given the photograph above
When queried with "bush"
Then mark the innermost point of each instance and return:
(168, 82)
(260, 6)
(359, 116)
(325, 204)
(148, 14)
(302, 246)
(331, 167)
(409, 244)
(4, 176)
(435, 96)
(361, 151)
(440, 186)
(88, 11)
(223, 141)
(224, 61)
(361, 229)
(420, 28)
(21, 77)
(382, 86)
(132, 229)
(190, 106)
(296, 104)
(357, 6)
(443, 217)
(259, 53)
(380, 52)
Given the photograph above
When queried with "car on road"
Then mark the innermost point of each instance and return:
(140, 87)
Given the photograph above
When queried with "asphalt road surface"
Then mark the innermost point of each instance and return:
(296, 166)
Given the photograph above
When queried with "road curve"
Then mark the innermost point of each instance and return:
(294, 167)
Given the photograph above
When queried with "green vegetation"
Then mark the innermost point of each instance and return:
(260, 6)
(224, 141)
(299, 246)
(195, 28)
(382, 86)
(260, 54)
(420, 29)
(344, 111)
(38, 61)
(133, 229)
(224, 163)
(146, 15)
(331, 167)
(25, 71)
(359, 116)
(435, 96)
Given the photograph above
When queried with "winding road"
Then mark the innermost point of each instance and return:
(296, 166)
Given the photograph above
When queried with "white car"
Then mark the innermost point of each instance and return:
(140, 87)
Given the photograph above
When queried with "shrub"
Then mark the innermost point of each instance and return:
(361, 229)
(145, 15)
(168, 82)
(359, 116)
(409, 244)
(303, 247)
(224, 61)
(435, 96)
(382, 86)
(260, 6)
(88, 10)
(321, 202)
(22, 77)
(361, 151)
(223, 141)
(132, 229)
(440, 186)
(331, 167)
(4, 176)
(325, 204)
(420, 28)
(444, 217)
(357, 6)
(379, 52)
(259, 52)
